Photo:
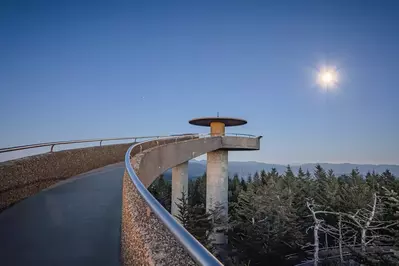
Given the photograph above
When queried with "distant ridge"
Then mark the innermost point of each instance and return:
(243, 169)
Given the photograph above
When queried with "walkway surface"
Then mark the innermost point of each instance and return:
(76, 222)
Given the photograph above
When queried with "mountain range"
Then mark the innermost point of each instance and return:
(243, 169)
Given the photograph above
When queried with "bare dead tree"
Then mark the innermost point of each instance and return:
(317, 223)
(363, 221)
(366, 221)
(341, 257)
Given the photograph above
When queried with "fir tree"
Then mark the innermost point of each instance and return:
(264, 228)
(195, 219)
(183, 215)
(301, 174)
(263, 173)
(256, 178)
(249, 179)
(289, 173)
(263, 176)
(198, 195)
(308, 175)
(243, 184)
(274, 174)
(162, 191)
(372, 181)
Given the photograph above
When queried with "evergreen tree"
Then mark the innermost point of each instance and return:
(354, 193)
(289, 180)
(319, 187)
(235, 182)
(183, 215)
(308, 176)
(234, 190)
(392, 214)
(319, 172)
(256, 178)
(386, 178)
(289, 173)
(271, 177)
(330, 174)
(243, 184)
(301, 174)
(263, 176)
(198, 195)
(195, 219)
(355, 178)
(331, 190)
(372, 181)
(249, 179)
(162, 191)
(264, 228)
(273, 173)
(263, 173)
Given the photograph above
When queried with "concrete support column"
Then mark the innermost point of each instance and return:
(179, 184)
(217, 187)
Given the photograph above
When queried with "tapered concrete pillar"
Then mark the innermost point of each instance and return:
(179, 185)
(217, 188)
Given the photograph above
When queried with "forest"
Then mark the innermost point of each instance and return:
(305, 218)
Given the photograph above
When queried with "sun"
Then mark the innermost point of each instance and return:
(328, 78)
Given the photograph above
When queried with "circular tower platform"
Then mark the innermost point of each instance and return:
(217, 124)
(227, 121)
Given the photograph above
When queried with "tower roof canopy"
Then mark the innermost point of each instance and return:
(227, 121)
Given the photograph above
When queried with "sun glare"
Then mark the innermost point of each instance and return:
(327, 78)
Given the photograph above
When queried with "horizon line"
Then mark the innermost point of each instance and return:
(300, 164)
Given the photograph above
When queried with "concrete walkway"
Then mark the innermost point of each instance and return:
(76, 222)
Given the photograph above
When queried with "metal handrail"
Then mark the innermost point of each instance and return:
(52, 144)
(196, 250)
(227, 134)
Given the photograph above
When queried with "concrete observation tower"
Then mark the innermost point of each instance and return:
(216, 169)
(217, 162)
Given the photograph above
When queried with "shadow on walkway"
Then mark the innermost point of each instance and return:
(76, 222)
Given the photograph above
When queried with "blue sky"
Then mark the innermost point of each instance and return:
(110, 69)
